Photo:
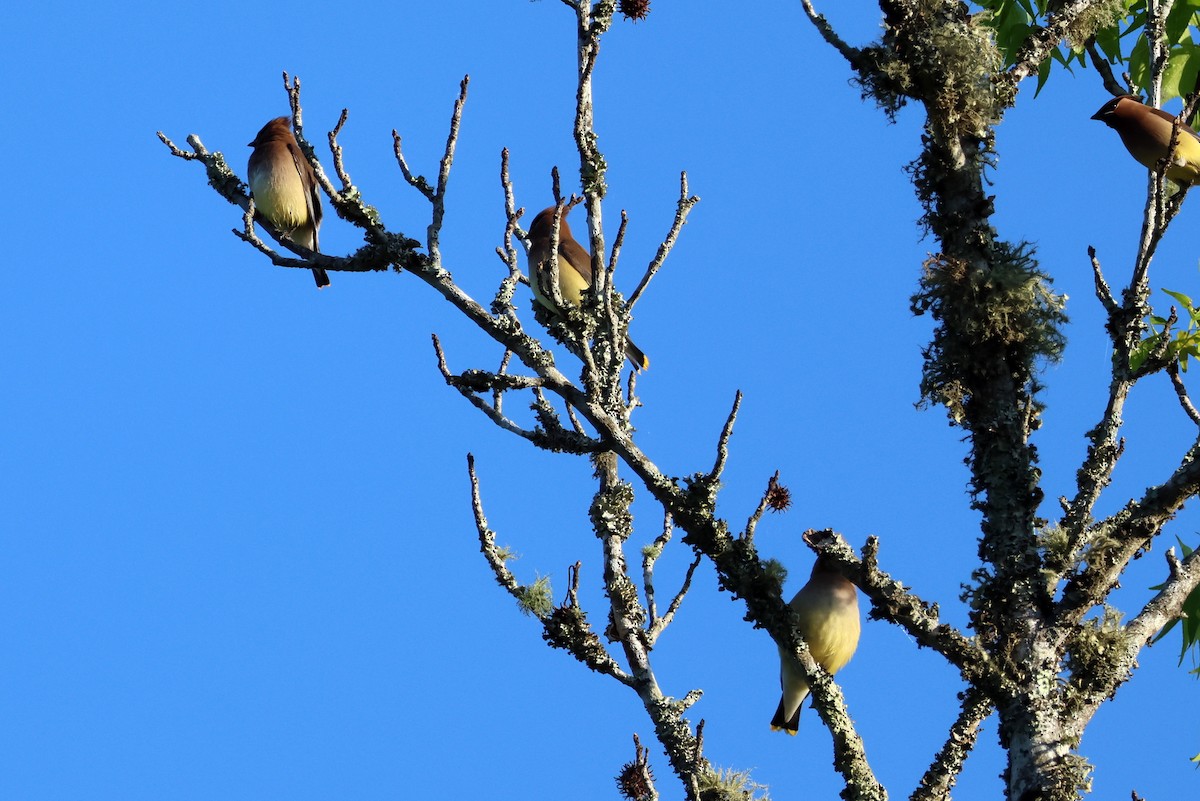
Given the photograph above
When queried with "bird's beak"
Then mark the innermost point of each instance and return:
(1099, 115)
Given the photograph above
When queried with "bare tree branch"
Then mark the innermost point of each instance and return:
(683, 208)
(1181, 391)
(942, 775)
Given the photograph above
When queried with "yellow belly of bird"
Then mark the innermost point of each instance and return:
(284, 202)
(570, 285)
(1185, 162)
(832, 641)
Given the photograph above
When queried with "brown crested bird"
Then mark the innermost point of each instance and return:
(574, 271)
(284, 188)
(828, 610)
(1146, 133)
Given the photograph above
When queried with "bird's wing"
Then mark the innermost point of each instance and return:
(312, 197)
(574, 254)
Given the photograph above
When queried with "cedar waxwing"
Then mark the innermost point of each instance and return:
(1146, 133)
(284, 188)
(574, 271)
(828, 610)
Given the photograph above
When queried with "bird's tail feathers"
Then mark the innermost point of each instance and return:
(779, 723)
(637, 358)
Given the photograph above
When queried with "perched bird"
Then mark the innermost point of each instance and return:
(828, 610)
(284, 188)
(574, 271)
(1146, 133)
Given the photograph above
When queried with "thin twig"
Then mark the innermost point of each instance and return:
(617, 243)
(1103, 292)
(335, 148)
(439, 199)
(469, 385)
(347, 199)
(574, 420)
(752, 523)
(498, 394)
(175, 150)
(418, 182)
(503, 302)
(656, 625)
(650, 555)
(642, 781)
(682, 209)
(851, 54)
(676, 602)
(723, 440)
(632, 401)
(487, 538)
(1181, 392)
(1101, 65)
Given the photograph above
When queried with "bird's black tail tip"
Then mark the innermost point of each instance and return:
(637, 358)
(779, 723)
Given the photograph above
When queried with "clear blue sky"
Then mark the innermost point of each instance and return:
(237, 557)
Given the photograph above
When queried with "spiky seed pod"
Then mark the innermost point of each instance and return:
(634, 9)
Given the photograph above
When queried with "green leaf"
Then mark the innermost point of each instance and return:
(1189, 614)
(1044, 74)
(1109, 41)
(1139, 355)
(1179, 20)
(1183, 64)
(1182, 298)
(1139, 62)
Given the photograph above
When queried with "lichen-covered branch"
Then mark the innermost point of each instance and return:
(1108, 651)
(682, 210)
(1118, 538)
(1044, 39)
(891, 601)
(657, 624)
(776, 497)
(550, 435)
(1185, 402)
(942, 775)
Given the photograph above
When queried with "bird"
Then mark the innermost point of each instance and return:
(574, 271)
(827, 607)
(284, 188)
(1146, 133)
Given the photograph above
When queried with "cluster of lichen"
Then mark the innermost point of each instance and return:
(1055, 546)
(1090, 655)
(963, 63)
(567, 628)
(1092, 20)
(775, 572)
(1001, 314)
(535, 599)
(943, 56)
(730, 785)
(609, 511)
